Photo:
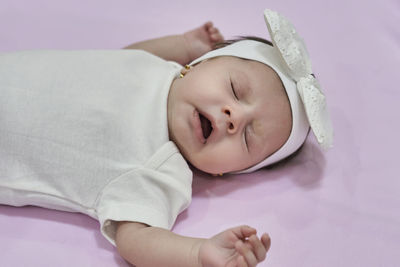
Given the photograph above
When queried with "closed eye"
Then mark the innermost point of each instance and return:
(233, 90)
(245, 139)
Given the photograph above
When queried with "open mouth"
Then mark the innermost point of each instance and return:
(205, 126)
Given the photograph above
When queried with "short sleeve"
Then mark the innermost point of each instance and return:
(154, 194)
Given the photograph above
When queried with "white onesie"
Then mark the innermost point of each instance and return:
(86, 131)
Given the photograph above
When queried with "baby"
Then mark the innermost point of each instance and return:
(108, 133)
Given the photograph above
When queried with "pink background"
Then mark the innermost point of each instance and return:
(340, 208)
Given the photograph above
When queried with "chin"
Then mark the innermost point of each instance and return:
(201, 167)
(206, 168)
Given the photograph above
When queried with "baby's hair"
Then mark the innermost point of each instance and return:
(241, 38)
(262, 40)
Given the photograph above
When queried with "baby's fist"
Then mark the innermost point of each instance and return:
(235, 247)
(202, 40)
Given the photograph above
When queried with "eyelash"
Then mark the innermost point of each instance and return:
(245, 139)
(234, 92)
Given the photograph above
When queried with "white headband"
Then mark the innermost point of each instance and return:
(290, 60)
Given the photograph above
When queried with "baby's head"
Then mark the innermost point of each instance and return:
(239, 108)
(228, 113)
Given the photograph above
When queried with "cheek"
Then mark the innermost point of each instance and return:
(222, 157)
(203, 89)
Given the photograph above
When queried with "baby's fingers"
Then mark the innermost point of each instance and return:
(243, 231)
(247, 254)
(208, 25)
(217, 37)
(258, 248)
(266, 240)
(214, 32)
(241, 262)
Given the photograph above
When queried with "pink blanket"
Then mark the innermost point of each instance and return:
(340, 208)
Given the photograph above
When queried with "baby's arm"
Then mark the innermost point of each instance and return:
(185, 47)
(144, 246)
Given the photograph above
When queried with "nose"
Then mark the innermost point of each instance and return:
(234, 119)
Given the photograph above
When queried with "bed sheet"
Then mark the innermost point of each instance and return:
(339, 208)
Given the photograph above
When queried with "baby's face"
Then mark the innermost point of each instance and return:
(227, 114)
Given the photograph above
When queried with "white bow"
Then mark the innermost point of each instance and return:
(297, 61)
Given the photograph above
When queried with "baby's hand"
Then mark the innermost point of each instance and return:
(202, 40)
(235, 247)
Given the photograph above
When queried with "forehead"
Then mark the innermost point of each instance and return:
(255, 72)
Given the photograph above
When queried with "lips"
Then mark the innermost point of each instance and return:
(206, 126)
(202, 126)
